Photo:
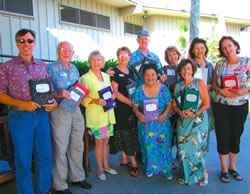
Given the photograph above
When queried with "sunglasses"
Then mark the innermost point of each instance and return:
(22, 41)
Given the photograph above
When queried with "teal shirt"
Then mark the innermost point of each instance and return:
(138, 56)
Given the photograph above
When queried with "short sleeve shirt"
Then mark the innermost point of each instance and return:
(15, 74)
(62, 77)
(139, 56)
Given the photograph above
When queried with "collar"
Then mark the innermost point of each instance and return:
(21, 60)
(63, 66)
(138, 51)
(199, 63)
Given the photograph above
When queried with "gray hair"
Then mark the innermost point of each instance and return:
(94, 53)
(63, 42)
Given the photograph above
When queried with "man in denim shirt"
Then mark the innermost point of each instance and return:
(28, 121)
(67, 128)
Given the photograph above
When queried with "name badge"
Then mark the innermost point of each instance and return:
(63, 74)
(121, 75)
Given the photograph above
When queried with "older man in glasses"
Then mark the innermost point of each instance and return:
(28, 121)
(67, 128)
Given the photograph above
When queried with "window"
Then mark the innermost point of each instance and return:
(132, 28)
(17, 6)
(82, 17)
(70, 15)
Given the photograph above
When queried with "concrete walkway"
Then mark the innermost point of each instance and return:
(125, 184)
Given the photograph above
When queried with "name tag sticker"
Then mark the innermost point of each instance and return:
(74, 96)
(230, 83)
(107, 95)
(151, 107)
(171, 72)
(42, 88)
(121, 75)
(191, 97)
(63, 74)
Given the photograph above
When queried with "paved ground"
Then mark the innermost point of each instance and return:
(125, 184)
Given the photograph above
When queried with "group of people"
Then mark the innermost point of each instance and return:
(124, 127)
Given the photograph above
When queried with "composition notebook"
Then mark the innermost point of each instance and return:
(106, 94)
(191, 100)
(40, 91)
(151, 109)
(138, 67)
(230, 81)
(131, 89)
(78, 93)
(171, 73)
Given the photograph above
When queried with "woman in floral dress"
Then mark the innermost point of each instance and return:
(192, 129)
(154, 136)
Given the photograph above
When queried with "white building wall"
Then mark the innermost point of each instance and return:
(49, 30)
(46, 23)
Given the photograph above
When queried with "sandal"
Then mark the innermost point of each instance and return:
(224, 177)
(181, 181)
(134, 171)
(235, 175)
(204, 182)
(127, 164)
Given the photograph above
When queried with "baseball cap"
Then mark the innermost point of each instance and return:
(142, 32)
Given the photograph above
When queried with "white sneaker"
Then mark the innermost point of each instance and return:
(111, 171)
(149, 174)
(170, 177)
(102, 177)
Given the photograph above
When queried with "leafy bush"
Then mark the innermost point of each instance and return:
(212, 43)
(110, 63)
(82, 66)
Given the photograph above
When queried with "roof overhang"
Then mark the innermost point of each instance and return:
(138, 7)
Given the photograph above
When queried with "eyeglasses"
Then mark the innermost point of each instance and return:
(22, 41)
(65, 49)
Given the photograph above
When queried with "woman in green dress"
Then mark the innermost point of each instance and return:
(192, 128)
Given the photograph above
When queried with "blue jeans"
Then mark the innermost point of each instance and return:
(30, 129)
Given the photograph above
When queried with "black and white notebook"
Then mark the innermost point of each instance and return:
(40, 91)
(138, 67)
(77, 93)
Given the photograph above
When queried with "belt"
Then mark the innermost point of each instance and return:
(16, 108)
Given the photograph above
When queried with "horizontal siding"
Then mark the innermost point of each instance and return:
(50, 31)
